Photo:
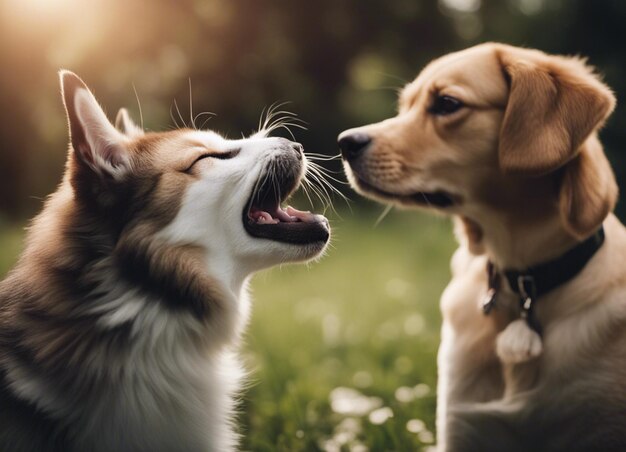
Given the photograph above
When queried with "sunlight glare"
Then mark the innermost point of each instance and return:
(38, 11)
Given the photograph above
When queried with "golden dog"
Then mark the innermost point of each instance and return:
(533, 352)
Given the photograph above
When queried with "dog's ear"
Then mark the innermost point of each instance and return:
(126, 125)
(555, 104)
(588, 191)
(97, 145)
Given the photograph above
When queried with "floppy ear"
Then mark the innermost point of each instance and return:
(96, 143)
(554, 104)
(126, 125)
(588, 191)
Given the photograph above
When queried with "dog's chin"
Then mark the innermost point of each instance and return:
(302, 253)
(267, 254)
(441, 200)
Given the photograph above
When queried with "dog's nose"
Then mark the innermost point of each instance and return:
(299, 150)
(353, 145)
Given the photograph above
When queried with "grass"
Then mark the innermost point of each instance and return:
(342, 352)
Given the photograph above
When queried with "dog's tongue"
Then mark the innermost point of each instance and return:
(289, 215)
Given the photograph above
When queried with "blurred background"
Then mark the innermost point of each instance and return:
(342, 352)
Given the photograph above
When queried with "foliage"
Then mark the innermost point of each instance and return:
(338, 61)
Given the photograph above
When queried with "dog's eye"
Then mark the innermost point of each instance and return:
(445, 105)
(215, 155)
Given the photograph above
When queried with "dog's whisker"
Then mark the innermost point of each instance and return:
(260, 125)
(281, 125)
(323, 193)
(326, 174)
(271, 112)
(290, 122)
(209, 115)
(320, 186)
(383, 215)
(312, 194)
(322, 157)
(403, 81)
(329, 173)
(286, 128)
(286, 115)
(305, 189)
(316, 191)
(315, 195)
(277, 190)
(139, 105)
(273, 119)
(426, 200)
(323, 183)
(173, 118)
(323, 179)
(323, 201)
(180, 116)
(333, 190)
(191, 118)
(285, 119)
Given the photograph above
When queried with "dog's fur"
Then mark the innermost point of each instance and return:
(119, 324)
(523, 164)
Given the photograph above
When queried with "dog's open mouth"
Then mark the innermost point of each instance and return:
(264, 217)
(439, 199)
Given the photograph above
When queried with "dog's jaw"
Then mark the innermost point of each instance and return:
(432, 198)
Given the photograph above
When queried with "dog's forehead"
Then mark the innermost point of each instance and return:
(475, 70)
(206, 138)
(162, 149)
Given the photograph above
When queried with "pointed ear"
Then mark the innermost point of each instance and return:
(96, 143)
(126, 125)
(555, 104)
(588, 191)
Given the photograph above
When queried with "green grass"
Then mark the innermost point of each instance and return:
(366, 318)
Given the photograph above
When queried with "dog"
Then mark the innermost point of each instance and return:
(120, 322)
(533, 343)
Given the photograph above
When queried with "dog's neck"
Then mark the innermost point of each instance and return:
(520, 221)
(523, 246)
(517, 239)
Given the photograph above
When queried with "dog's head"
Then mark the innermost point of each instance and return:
(188, 189)
(492, 126)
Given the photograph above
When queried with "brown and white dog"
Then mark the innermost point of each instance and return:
(119, 324)
(505, 140)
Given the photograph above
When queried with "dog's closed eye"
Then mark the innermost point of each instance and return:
(445, 105)
(215, 155)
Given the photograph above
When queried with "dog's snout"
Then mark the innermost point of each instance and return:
(298, 149)
(353, 144)
(286, 145)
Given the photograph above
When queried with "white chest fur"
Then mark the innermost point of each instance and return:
(170, 388)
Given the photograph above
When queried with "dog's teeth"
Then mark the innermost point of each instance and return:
(265, 218)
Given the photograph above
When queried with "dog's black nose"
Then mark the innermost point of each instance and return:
(352, 145)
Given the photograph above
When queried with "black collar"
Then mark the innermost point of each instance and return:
(534, 282)
(541, 279)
